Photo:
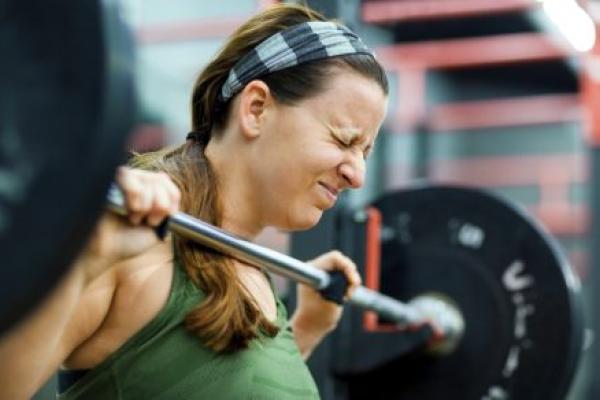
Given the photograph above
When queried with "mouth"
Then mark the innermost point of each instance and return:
(330, 192)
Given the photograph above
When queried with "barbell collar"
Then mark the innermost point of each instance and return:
(386, 306)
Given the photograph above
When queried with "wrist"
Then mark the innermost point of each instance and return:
(305, 334)
(310, 326)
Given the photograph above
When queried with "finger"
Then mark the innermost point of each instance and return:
(353, 278)
(173, 192)
(137, 199)
(161, 205)
(330, 260)
(132, 183)
(150, 196)
(136, 218)
(336, 260)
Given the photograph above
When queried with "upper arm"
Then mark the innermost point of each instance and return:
(88, 316)
(31, 351)
(105, 318)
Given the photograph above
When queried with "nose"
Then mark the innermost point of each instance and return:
(352, 171)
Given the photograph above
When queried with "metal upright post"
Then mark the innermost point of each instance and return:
(590, 79)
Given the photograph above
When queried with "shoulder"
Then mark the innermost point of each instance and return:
(116, 306)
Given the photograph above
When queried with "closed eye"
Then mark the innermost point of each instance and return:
(347, 145)
(342, 142)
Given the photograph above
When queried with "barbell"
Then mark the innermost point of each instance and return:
(459, 267)
(444, 318)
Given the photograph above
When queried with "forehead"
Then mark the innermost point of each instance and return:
(350, 102)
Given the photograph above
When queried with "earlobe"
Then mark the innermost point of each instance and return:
(254, 101)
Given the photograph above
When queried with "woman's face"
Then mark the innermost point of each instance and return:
(312, 151)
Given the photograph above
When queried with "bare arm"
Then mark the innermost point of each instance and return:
(27, 350)
(315, 317)
(307, 336)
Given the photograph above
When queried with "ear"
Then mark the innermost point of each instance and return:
(255, 99)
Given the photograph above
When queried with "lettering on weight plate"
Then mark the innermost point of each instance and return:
(514, 279)
(512, 361)
(516, 282)
(521, 313)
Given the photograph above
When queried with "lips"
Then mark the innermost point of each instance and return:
(330, 191)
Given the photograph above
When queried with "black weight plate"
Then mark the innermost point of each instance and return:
(519, 297)
(66, 107)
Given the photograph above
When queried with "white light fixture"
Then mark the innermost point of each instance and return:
(572, 21)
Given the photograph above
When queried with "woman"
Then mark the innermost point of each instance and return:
(283, 119)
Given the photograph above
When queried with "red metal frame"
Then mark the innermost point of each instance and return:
(490, 172)
(388, 11)
(521, 170)
(514, 111)
(473, 52)
(411, 109)
(563, 219)
(373, 269)
(467, 115)
(552, 174)
(372, 263)
(411, 62)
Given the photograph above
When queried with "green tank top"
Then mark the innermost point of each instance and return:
(165, 361)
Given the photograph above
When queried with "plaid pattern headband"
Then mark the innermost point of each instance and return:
(298, 44)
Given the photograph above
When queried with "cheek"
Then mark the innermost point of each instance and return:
(320, 158)
(303, 164)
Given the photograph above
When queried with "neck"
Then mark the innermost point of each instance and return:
(240, 214)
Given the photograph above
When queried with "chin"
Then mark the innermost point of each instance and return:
(309, 220)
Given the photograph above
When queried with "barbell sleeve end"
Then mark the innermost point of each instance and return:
(444, 317)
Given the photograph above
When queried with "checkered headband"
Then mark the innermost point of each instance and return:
(298, 44)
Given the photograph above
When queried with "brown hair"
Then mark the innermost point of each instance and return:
(228, 319)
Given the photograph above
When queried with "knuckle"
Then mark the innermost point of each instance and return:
(176, 193)
(337, 253)
(160, 204)
(154, 219)
(133, 199)
(164, 176)
(135, 218)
